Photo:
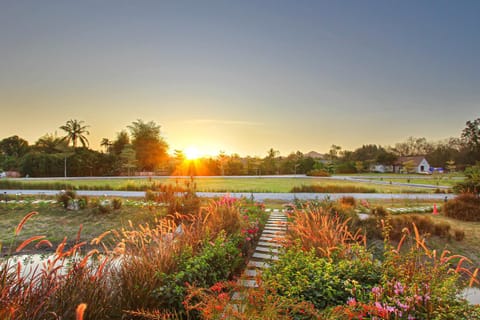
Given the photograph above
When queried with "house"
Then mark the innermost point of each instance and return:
(416, 164)
(381, 168)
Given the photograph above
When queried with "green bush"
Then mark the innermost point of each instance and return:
(65, 197)
(465, 207)
(302, 275)
(214, 263)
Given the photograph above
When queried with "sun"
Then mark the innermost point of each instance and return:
(192, 153)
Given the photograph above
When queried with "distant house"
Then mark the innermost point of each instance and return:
(417, 164)
(381, 168)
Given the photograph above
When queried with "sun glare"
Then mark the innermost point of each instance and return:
(192, 153)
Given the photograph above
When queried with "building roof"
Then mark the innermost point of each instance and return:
(416, 160)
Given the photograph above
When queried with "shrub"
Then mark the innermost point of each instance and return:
(459, 234)
(65, 197)
(318, 173)
(348, 201)
(117, 203)
(83, 202)
(465, 207)
(332, 189)
(150, 195)
(300, 274)
(442, 229)
(104, 206)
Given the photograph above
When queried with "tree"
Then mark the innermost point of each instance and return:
(270, 162)
(14, 146)
(120, 142)
(333, 152)
(51, 144)
(107, 144)
(149, 146)
(76, 131)
(413, 147)
(128, 158)
(471, 139)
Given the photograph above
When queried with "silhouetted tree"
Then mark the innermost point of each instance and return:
(76, 131)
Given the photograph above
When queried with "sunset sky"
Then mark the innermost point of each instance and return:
(242, 76)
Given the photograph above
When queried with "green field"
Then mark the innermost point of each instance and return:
(208, 184)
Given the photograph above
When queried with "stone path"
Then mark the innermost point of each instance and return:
(267, 249)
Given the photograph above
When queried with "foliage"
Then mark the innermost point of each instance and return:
(465, 207)
(216, 302)
(66, 197)
(472, 181)
(150, 148)
(75, 131)
(301, 274)
(318, 173)
(117, 203)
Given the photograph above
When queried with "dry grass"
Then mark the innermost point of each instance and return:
(327, 234)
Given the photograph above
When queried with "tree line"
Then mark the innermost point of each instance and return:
(140, 149)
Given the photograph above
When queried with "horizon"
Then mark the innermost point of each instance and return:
(242, 77)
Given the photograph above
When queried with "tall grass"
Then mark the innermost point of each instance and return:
(142, 273)
(328, 234)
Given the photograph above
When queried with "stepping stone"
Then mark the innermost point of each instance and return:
(275, 228)
(271, 244)
(250, 273)
(264, 256)
(258, 264)
(266, 249)
(248, 283)
(239, 296)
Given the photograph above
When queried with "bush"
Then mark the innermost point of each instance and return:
(459, 234)
(442, 229)
(348, 201)
(65, 197)
(315, 188)
(104, 206)
(117, 203)
(83, 202)
(318, 173)
(150, 195)
(465, 207)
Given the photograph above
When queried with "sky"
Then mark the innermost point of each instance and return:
(242, 76)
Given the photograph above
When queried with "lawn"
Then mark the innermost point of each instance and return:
(208, 184)
(55, 222)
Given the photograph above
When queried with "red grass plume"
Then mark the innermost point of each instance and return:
(80, 311)
(24, 220)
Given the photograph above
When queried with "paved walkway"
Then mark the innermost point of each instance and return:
(267, 250)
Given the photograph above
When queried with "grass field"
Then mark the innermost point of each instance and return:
(55, 222)
(211, 184)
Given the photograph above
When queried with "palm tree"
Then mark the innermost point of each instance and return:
(75, 131)
(107, 144)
